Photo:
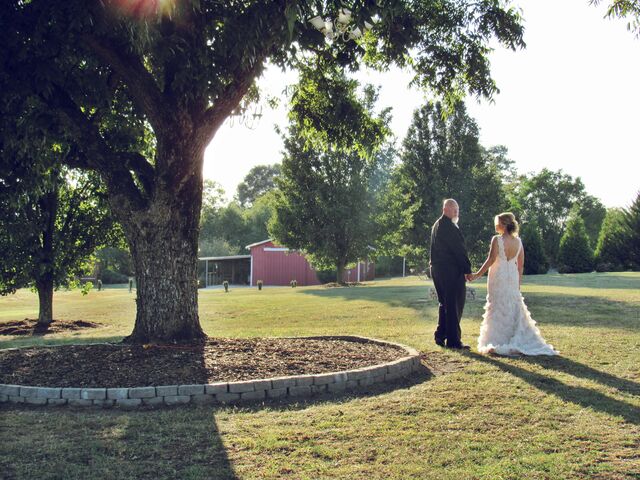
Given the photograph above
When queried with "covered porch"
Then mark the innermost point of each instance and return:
(235, 269)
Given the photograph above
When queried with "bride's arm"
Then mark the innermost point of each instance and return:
(493, 253)
(520, 264)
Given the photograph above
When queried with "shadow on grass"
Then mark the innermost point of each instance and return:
(188, 444)
(585, 397)
(565, 365)
(78, 443)
(93, 442)
(169, 442)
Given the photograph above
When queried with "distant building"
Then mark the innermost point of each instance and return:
(274, 265)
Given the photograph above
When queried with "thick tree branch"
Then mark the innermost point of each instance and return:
(228, 100)
(243, 77)
(140, 83)
(96, 155)
(142, 168)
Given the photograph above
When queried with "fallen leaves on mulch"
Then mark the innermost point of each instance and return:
(29, 326)
(218, 359)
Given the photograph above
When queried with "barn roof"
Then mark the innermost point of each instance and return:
(230, 257)
(258, 243)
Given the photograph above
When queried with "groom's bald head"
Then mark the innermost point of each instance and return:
(450, 208)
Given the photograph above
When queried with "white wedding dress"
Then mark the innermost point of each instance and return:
(507, 327)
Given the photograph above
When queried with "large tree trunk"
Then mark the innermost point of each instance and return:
(164, 245)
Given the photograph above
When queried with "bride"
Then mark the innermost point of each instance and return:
(507, 327)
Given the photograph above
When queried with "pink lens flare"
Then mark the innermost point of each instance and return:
(143, 9)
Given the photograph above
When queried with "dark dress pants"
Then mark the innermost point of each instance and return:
(451, 289)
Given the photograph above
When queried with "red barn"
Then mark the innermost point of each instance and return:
(274, 265)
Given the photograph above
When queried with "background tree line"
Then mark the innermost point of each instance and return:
(391, 201)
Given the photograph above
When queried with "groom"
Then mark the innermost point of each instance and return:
(450, 267)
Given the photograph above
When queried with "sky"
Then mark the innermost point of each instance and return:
(569, 100)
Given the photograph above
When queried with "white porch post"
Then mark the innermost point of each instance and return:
(206, 273)
(251, 271)
(358, 271)
(404, 266)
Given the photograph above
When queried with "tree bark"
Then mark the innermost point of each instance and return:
(44, 276)
(163, 239)
(340, 272)
(45, 298)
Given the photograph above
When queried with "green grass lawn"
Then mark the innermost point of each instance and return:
(574, 416)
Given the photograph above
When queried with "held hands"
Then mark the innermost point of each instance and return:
(470, 277)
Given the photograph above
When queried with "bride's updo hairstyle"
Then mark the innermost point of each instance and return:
(508, 221)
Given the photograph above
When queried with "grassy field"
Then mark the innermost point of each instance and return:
(574, 416)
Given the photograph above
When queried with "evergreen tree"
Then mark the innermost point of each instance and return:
(536, 261)
(575, 254)
(632, 219)
(612, 249)
(441, 158)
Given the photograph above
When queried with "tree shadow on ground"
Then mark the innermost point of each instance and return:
(566, 365)
(111, 443)
(79, 443)
(167, 442)
(583, 396)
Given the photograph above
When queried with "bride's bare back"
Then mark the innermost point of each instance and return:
(511, 246)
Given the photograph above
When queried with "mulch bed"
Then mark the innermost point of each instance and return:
(29, 327)
(218, 359)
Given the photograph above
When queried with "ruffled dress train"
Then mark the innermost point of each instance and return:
(507, 327)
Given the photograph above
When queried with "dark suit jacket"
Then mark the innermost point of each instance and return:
(447, 246)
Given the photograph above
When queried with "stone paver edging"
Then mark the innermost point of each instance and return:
(296, 386)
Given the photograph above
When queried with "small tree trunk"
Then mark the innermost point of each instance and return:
(44, 271)
(340, 272)
(45, 298)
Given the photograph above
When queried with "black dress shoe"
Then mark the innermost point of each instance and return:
(459, 347)
(440, 343)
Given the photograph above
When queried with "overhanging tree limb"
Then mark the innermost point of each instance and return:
(215, 115)
(140, 83)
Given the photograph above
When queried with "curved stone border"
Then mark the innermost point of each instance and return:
(296, 386)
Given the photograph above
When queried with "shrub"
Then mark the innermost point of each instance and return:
(259, 284)
(575, 254)
(326, 276)
(387, 266)
(225, 284)
(293, 284)
(110, 277)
